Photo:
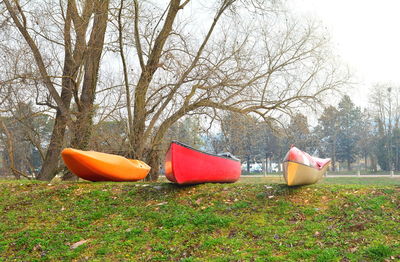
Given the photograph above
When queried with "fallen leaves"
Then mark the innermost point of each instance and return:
(79, 243)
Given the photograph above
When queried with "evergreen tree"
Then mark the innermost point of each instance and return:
(240, 132)
(367, 140)
(299, 134)
(188, 131)
(328, 131)
(350, 126)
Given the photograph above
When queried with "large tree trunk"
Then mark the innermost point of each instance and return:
(81, 135)
(248, 164)
(83, 126)
(366, 161)
(10, 149)
(333, 164)
(153, 159)
(136, 137)
(333, 154)
(50, 164)
(137, 140)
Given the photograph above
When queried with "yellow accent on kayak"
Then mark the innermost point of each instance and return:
(296, 174)
(97, 166)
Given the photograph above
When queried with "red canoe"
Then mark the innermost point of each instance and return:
(186, 165)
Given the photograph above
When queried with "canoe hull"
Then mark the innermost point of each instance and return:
(96, 166)
(185, 165)
(296, 174)
(299, 168)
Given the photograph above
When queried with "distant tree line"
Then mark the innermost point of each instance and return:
(345, 133)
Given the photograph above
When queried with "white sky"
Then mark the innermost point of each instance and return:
(365, 35)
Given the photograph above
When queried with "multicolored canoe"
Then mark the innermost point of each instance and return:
(96, 166)
(186, 165)
(299, 168)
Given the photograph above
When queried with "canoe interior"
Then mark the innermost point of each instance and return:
(203, 152)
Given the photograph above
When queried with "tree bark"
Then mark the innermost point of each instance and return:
(248, 163)
(366, 161)
(334, 154)
(10, 149)
(153, 159)
(348, 164)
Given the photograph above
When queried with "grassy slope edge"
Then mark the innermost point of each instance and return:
(219, 222)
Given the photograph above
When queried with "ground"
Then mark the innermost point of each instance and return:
(257, 219)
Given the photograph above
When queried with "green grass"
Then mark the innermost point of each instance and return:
(362, 180)
(328, 180)
(246, 221)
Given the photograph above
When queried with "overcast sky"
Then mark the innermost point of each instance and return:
(365, 34)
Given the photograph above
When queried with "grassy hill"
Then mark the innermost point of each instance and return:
(218, 222)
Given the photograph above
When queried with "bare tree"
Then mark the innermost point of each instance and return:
(385, 102)
(80, 64)
(385, 109)
(18, 132)
(248, 58)
(22, 131)
(254, 68)
(241, 136)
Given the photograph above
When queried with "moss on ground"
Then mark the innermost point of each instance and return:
(217, 222)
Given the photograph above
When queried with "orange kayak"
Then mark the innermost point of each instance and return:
(96, 166)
